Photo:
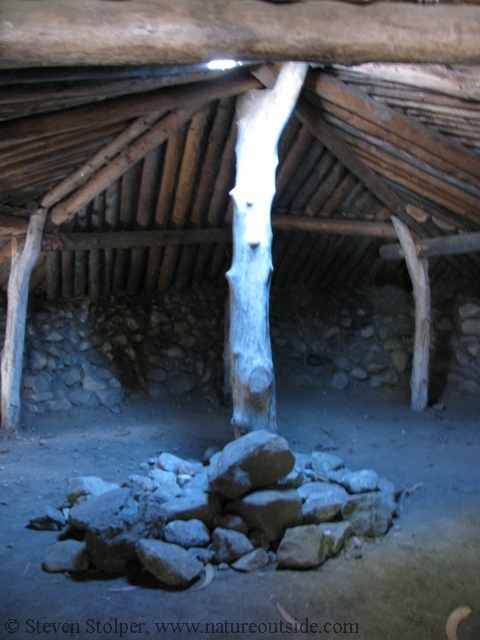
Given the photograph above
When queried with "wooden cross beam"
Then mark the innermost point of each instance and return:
(64, 33)
(438, 246)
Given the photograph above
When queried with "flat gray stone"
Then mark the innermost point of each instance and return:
(399, 359)
(469, 310)
(293, 480)
(181, 384)
(67, 555)
(312, 490)
(61, 404)
(139, 483)
(83, 398)
(51, 520)
(321, 509)
(70, 377)
(335, 534)
(87, 486)
(339, 380)
(109, 397)
(301, 548)
(471, 326)
(255, 460)
(187, 533)
(369, 514)
(175, 464)
(302, 460)
(338, 476)
(96, 507)
(231, 521)
(324, 462)
(194, 504)
(115, 523)
(271, 511)
(169, 563)
(252, 561)
(38, 383)
(38, 360)
(229, 545)
(361, 481)
(163, 478)
(359, 373)
(91, 382)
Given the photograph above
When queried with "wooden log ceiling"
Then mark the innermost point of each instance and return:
(60, 32)
(138, 172)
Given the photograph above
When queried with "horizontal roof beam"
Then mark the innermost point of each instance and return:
(170, 237)
(65, 33)
(438, 246)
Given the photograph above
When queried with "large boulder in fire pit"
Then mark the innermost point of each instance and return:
(169, 563)
(270, 511)
(114, 521)
(255, 460)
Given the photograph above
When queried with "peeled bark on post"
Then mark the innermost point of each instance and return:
(418, 270)
(261, 117)
(12, 356)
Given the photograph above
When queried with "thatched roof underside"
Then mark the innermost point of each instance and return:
(417, 127)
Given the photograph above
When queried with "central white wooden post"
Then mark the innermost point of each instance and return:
(261, 117)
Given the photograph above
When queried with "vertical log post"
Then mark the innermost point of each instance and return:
(12, 356)
(418, 270)
(261, 117)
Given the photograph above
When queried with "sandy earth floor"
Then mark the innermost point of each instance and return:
(403, 587)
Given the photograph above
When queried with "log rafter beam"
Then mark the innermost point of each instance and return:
(59, 32)
(425, 161)
(131, 146)
(309, 115)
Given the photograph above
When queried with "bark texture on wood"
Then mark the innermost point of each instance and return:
(439, 246)
(12, 356)
(261, 117)
(418, 270)
(62, 33)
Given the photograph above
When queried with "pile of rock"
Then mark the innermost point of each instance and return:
(253, 504)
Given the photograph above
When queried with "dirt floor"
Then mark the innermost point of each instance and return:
(403, 586)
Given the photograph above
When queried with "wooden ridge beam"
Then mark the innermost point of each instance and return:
(438, 246)
(63, 33)
(85, 241)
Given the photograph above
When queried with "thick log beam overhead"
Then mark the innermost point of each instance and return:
(61, 32)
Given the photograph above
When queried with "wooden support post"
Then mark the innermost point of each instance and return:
(418, 270)
(12, 356)
(261, 117)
